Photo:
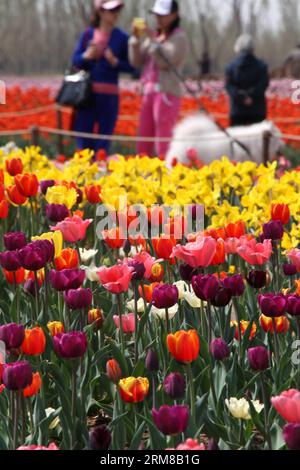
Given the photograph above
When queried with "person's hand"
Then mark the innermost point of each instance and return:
(92, 52)
(248, 101)
(110, 57)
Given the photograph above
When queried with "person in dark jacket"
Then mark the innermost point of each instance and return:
(247, 79)
(103, 51)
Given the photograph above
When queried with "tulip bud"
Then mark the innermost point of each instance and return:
(235, 284)
(127, 247)
(273, 230)
(113, 371)
(99, 438)
(14, 240)
(174, 385)
(55, 327)
(165, 296)
(222, 297)
(12, 335)
(257, 279)
(152, 362)
(219, 349)
(291, 434)
(289, 269)
(45, 184)
(186, 272)
(96, 318)
(17, 375)
(258, 358)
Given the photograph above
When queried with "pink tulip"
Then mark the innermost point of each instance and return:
(73, 228)
(231, 245)
(116, 279)
(288, 405)
(33, 447)
(147, 260)
(128, 322)
(255, 253)
(197, 254)
(294, 257)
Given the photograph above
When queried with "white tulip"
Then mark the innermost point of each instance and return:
(192, 299)
(140, 305)
(240, 408)
(87, 255)
(91, 273)
(182, 288)
(161, 312)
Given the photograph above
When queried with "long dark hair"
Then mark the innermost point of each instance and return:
(176, 23)
(95, 18)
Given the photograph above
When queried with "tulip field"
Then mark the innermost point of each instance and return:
(179, 336)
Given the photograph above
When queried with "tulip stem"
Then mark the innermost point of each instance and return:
(73, 409)
(237, 311)
(16, 419)
(153, 391)
(276, 343)
(136, 326)
(167, 321)
(36, 295)
(17, 296)
(192, 391)
(209, 322)
(266, 410)
(32, 216)
(119, 301)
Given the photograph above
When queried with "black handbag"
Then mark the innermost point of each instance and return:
(76, 90)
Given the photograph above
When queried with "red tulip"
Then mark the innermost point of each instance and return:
(27, 184)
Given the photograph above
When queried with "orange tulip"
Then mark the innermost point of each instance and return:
(235, 230)
(216, 233)
(35, 386)
(148, 291)
(157, 273)
(55, 327)
(35, 342)
(27, 184)
(4, 209)
(184, 346)
(15, 196)
(68, 259)
(93, 193)
(114, 238)
(14, 277)
(244, 325)
(280, 212)
(113, 370)
(14, 166)
(133, 390)
(163, 246)
(219, 257)
(282, 324)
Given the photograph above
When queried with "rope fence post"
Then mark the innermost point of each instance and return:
(35, 135)
(59, 123)
(266, 147)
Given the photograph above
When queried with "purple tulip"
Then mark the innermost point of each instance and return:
(272, 305)
(165, 296)
(152, 362)
(79, 196)
(258, 358)
(186, 272)
(78, 299)
(30, 287)
(33, 257)
(45, 184)
(66, 279)
(293, 305)
(99, 438)
(219, 349)
(235, 284)
(273, 230)
(17, 375)
(174, 385)
(10, 260)
(289, 269)
(56, 212)
(222, 297)
(12, 335)
(257, 279)
(138, 269)
(70, 345)
(48, 247)
(205, 286)
(291, 435)
(171, 420)
(14, 240)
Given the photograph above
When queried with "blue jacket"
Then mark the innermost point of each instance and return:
(101, 70)
(247, 76)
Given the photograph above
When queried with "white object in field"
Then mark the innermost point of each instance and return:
(209, 143)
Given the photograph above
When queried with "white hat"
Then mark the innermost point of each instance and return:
(244, 43)
(162, 7)
(108, 4)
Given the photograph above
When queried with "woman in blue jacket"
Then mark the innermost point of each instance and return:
(103, 51)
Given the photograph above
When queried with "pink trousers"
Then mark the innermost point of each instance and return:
(159, 115)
